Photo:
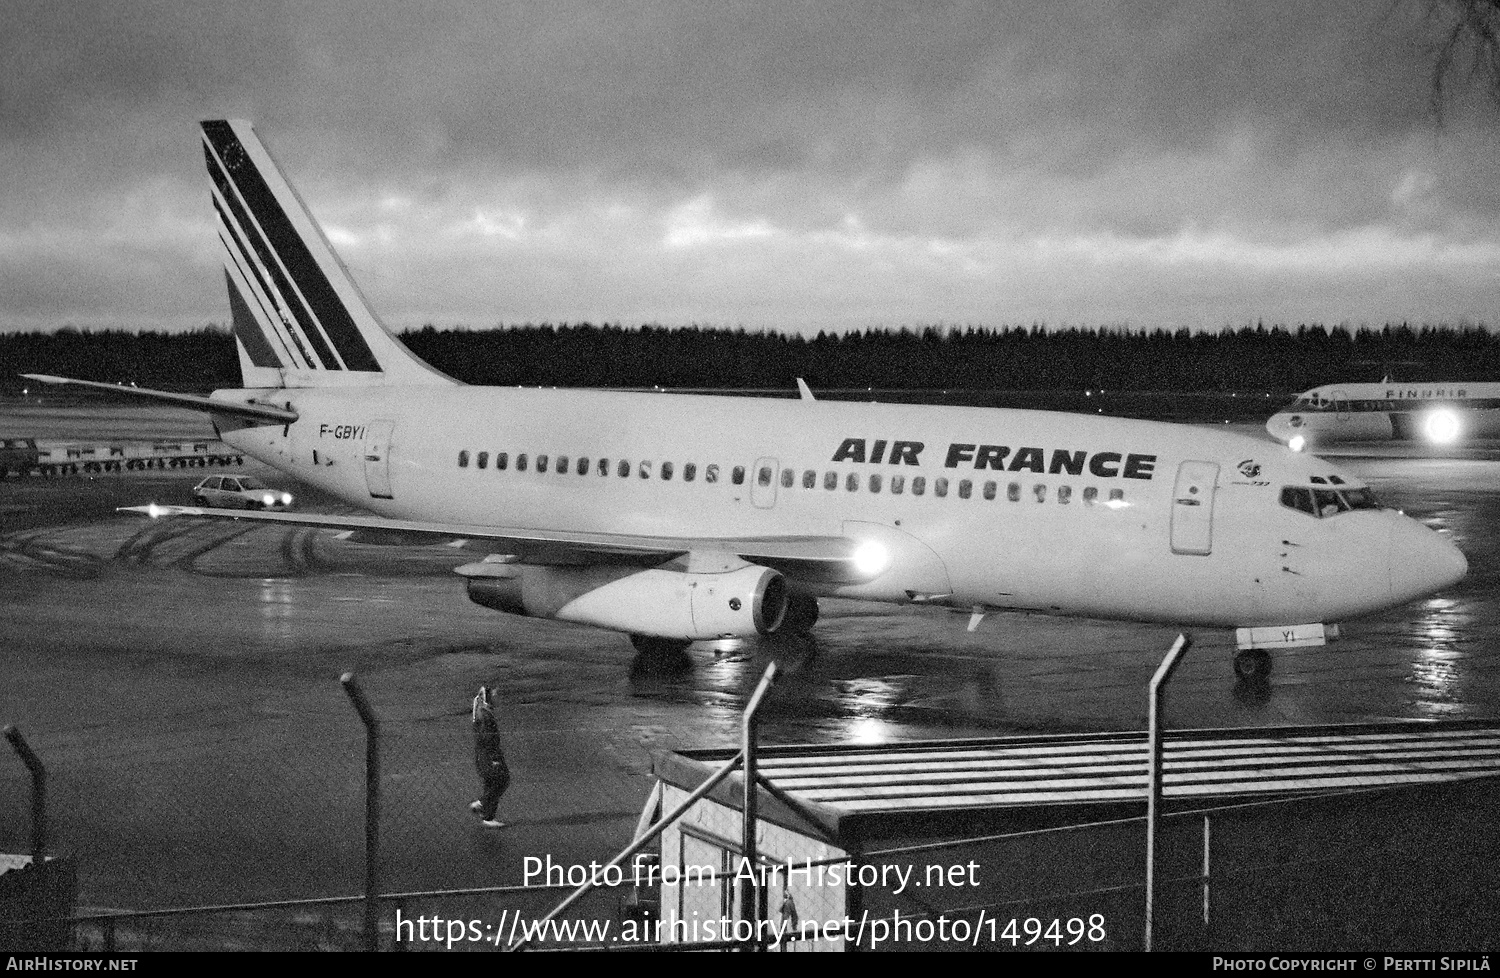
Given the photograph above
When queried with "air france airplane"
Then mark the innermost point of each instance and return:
(1435, 412)
(675, 518)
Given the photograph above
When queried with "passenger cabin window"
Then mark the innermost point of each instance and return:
(689, 471)
(1064, 494)
(809, 479)
(711, 474)
(940, 487)
(604, 466)
(763, 477)
(623, 471)
(874, 483)
(738, 475)
(562, 465)
(482, 461)
(788, 478)
(645, 469)
(851, 482)
(918, 485)
(1013, 492)
(521, 462)
(1090, 493)
(1040, 491)
(965, 488)
(502, 459)
(666, 470)
(463, 460)
(898, 483)
(989, 489)
(583, 466)
(1117, 495)
(830, 480)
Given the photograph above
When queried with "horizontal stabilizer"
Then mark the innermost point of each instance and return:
(830, 559)
(239, 409)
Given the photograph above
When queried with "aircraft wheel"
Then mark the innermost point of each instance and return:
(660, 647)
(660, 656)
(1253, 664)
(801, 614)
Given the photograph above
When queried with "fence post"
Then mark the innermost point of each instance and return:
(1207, 869)
(1158, 706)
(752, 894)
(38, 795)
(372, 809)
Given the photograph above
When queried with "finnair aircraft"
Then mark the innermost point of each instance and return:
(1436, 412)
(676, 518)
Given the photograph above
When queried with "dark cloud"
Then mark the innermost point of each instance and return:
(616, 157)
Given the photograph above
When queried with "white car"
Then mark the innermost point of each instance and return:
(239, 492)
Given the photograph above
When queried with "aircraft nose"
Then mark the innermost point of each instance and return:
(1422, 562)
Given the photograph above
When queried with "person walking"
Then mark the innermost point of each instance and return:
(489, 759)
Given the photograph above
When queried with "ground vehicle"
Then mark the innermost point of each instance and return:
(239, 492)
(18, 455)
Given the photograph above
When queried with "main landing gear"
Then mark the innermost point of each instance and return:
(801, 615)
(1253, 665)
(661, 654)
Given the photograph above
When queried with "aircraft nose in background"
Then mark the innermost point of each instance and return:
(1422, 562)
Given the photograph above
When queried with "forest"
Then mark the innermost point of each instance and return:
(1257, 358)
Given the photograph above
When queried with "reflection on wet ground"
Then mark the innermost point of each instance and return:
(181, 680)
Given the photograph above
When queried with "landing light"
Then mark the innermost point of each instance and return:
(871, 558)
(153, 510)
(1297, 443)
(1441, 427)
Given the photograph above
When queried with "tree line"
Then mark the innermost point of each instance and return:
(1034, 358)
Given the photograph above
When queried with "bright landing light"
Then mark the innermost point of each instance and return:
(1297, 443)
(1441, 426)
(871, 557)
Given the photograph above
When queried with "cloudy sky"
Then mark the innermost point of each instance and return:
(796, 166)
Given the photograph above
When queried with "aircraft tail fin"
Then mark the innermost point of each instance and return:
(298, 318)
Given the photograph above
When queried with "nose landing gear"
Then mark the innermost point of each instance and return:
(1253, 664)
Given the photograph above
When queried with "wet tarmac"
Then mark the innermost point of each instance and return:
(180, 680)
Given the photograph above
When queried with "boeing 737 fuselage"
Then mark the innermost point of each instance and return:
(675, 518)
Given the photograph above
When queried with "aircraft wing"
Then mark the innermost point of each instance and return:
(828, 559)
(255, 412)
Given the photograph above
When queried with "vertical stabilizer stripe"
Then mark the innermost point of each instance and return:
(294, 308)
(277, 288)
(310, 279)
(276, 334)
(246, 329)
(280, 341)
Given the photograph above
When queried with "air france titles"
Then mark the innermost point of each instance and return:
(1002, 458)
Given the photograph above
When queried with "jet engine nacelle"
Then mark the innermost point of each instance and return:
(657, 602)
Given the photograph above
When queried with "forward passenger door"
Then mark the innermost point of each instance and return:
(1193, 508)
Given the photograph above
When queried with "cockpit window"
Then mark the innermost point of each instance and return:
(1295, 497)
(1361, 499)
(1327, 502)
